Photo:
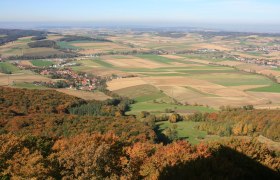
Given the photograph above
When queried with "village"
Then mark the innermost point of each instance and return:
(64, 77)
(218, 54)
(259, 61)
(259, 49)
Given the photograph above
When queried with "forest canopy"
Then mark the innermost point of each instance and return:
(241, 122)
(45, 134)
(82, 38)
(43, 43)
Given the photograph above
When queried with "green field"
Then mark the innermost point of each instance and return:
(141, 93)
(200, 57)
(205, 71)
(34, 52)
(87, 63)
(185, 71)
(81, 68)
(41, 63)
(164, 74)
(156, 58)
(103, 63)
(149, 98)
(161, 107)
(70, 45)
(161, 59)
(200, 92)
(67, 45)
(235, 79)
(142, 70)
(28, 86)
(168, 46)
(8, 68)
(204, 67)
(121, 57)
(185, 130)
(24, 40)
(273, 88)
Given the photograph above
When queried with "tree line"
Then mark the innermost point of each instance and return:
(43, 43)
(243, 122)
(71, 38)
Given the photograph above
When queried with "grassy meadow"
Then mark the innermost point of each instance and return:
(8, 68)
(273, 88)
(28, 86)
(41, 63)
(185, 130)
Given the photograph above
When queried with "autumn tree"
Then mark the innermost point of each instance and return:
(89, 156)
(174, 118)
(26, 157)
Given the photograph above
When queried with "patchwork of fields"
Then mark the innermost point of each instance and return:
(160, 81)
(193, 83)
(161, 84)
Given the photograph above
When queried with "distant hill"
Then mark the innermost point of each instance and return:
(15, 34)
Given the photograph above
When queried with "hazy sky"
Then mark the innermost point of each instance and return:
(176, 11)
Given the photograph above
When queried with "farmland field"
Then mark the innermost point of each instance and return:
(235, 79)
(98, 47)
(103, 63)
(41, 52)
(41, 63)
(20, 47)
(156, 58)
(21, 77)
(67, 45)
(149, 98)
(27, 86)
(161, 107)
(141, 93)
(196, 83)
(8, 68)
(275, 87)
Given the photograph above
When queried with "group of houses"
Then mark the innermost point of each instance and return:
(259, 61)
(260, 49)
(65, 77)
(217, 54)
(78, 81)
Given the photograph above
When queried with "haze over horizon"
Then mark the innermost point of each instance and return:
(247, 15)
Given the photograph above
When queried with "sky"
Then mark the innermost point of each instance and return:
(176, 12)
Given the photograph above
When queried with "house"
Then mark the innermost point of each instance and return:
(84, 82)
(45, 72)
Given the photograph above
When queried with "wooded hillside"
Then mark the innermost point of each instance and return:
(40, 139)
(14, 34)
(240, 122)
